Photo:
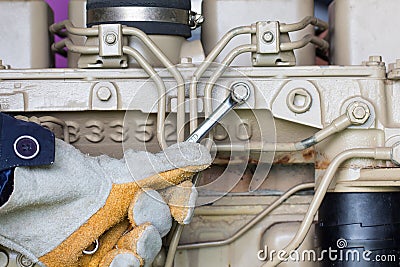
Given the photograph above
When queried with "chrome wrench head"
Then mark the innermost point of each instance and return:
(239, 93)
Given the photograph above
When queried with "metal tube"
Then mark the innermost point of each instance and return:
(58, 47)
(373, 153)
(337, 125)
(218, 72)
(252, 222)
(174, 72)
(205, 64)
(309, 38)
(283, 28)
(161, 92)
(57, 28)
(173, 245)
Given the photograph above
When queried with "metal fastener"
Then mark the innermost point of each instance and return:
(299, 100)
(268, 37)
(358, 112)
(240, 92)
(104, 93)
(374, 61)
(186, 62)
(26, 147)
(111, 38)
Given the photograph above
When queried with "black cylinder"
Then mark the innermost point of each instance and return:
(359, 229)
(149, 27)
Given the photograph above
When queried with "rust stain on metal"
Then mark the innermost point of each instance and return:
(283, 160)
(322, 165)
(309, 154)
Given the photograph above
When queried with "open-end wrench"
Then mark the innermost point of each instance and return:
(238, 95)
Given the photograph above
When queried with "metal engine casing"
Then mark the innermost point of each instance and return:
(89, 108)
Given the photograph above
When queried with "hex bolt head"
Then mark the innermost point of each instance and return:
(104, 93)
(26, 147)
(375, 59)
(358, 112)
(110, 38)
(268, 37)
(240, 92)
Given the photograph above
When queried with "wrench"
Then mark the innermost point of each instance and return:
(239, 93)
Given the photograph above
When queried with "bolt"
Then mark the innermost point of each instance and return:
(111, 38)
(268, 37)
(240, 92)
(104, 93)
(186, 60)
(375, 59)
(26, 147)
(358, 112)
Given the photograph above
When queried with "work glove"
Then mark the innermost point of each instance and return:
(56, 212)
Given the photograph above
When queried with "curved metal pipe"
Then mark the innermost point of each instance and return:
(309, 20)
(309, 38)
(253, 221)
(172, 69)
(373, 153)
(205, 64)
(57, 28)
(58, 47)
(161, 92)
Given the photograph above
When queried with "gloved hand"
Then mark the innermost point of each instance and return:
(56, 212)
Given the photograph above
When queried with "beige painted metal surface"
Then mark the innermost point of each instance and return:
(333, 109)
(363, 28)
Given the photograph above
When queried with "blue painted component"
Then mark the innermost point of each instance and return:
(24, 144)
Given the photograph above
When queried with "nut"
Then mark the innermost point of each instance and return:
(358, 113)
(240, 92)
(104, 93)
(268, 37)
(395, 154)
(111, 38)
